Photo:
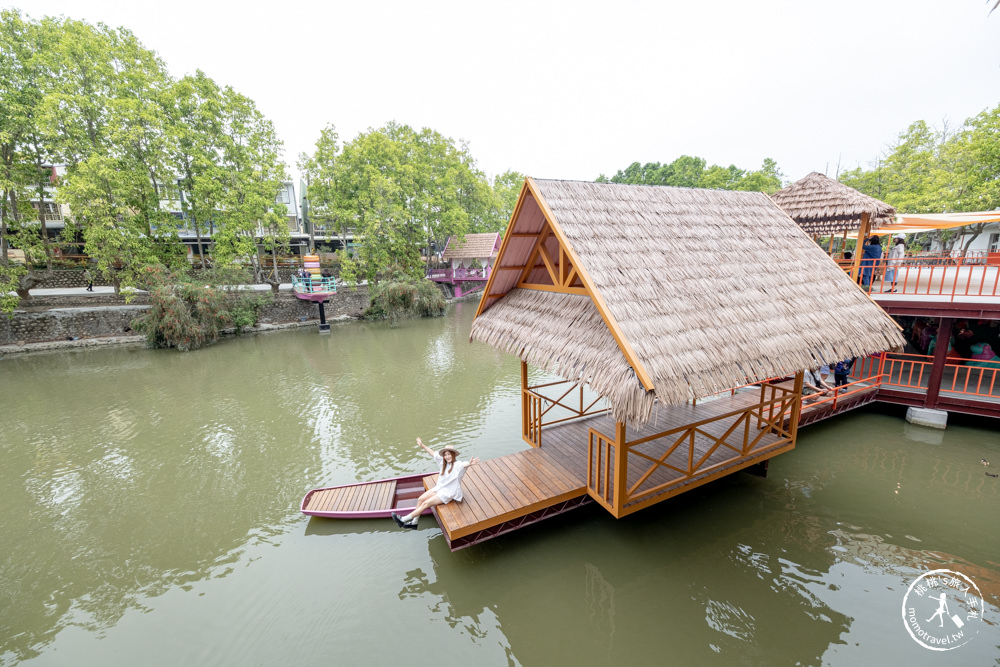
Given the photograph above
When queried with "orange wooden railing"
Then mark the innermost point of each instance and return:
(975, 274)
(600, 454)
(765, 417)
(536, 406)
(913, 371)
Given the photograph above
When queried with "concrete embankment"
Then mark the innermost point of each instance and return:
(59, 321)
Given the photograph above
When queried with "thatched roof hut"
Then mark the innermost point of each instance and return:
(821, 205)
(474, 246)
(647, 292)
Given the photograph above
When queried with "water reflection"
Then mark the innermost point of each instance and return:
(150, 508)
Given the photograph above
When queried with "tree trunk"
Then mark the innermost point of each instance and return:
(27, 282)
(275, 281)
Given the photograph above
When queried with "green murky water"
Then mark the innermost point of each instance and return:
(149, 516)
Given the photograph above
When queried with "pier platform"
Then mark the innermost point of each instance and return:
(680, 448)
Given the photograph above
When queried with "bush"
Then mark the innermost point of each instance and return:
(402, 295)
(187, 314)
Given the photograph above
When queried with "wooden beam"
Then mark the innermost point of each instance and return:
(621, 467)
(859, 246)
(524, 398)
(793, 424)
(555, 288)
(940, 357)
(623, 344)
(488, 290)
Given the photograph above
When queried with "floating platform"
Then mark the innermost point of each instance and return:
(511, 491)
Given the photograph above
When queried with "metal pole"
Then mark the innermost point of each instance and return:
(324, 327)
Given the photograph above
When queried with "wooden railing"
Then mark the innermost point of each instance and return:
(975, 274)
(755, 422)
(600, 455)
(537, 406)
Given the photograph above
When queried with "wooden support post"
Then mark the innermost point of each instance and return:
(621, 469)
(940, 357)
(860, 245)
(758, 469)
(793, 424)
(829, 248)
(524, 399)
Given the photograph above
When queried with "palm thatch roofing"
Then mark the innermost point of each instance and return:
(669, 293)
(821, 205)
(475, 246)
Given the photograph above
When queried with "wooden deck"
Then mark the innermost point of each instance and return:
(505, 493)
(506, 489)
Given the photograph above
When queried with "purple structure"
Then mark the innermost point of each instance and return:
(466, 266)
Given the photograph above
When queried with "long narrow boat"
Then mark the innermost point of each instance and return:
(366, 500)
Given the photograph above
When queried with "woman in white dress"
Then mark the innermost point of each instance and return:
(448, 487)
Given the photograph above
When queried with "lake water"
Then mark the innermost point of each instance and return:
(149, 516)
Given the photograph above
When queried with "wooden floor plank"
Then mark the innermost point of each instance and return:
(518, 490)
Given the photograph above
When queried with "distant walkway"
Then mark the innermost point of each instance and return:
(107, 289)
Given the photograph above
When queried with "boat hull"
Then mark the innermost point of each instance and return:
(366, 500)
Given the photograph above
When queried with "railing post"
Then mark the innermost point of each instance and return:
(793, 424)
(524, 399)
(621, 468)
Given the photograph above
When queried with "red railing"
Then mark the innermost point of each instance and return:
(913, 371)
(977, 273)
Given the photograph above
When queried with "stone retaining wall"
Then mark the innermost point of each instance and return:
(81, 317)
(64, 278)
(67, 323)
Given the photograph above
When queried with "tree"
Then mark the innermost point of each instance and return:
(194, 111)
(250, 176)
(692, 172)
(105, 114)
(23, 80)
(936, 171)
(330, 208)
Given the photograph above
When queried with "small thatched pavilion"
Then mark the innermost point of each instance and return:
(821, 205)
(658, 295)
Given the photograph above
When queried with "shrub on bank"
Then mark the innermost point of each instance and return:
(402, 295)
(187, 314)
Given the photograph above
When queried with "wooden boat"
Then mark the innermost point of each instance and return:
(366, 500)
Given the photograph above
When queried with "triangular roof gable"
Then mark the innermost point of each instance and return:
(535, 254)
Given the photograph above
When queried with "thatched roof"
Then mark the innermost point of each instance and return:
(821, 205)
(475, 246)
(697, 291)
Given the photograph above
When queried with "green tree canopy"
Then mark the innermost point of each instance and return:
(693, 172)
(928, 170)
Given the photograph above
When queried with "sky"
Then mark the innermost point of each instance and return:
(572, 90)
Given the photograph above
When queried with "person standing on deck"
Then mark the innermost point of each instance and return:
(448, 487)
(869, 260)
(842, 371)
(896, 254)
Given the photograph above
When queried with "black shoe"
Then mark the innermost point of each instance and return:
(398, 520)
(411, 526)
